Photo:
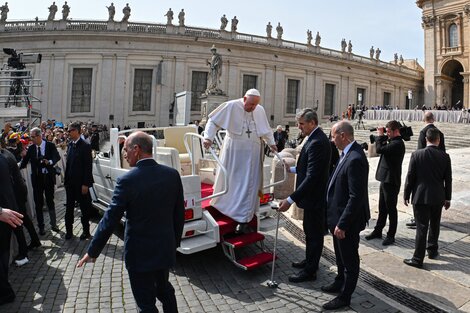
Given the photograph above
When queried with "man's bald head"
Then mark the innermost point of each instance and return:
(428, 117)
(138, 146)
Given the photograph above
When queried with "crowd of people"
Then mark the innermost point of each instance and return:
(33, 160)
(331, 189)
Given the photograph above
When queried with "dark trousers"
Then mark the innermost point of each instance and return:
(44, 185)
(19, 233)
(147, 286)
(74, 194)
(5, 235)
(347, 261)
(313, 224)
(388, 198)
(426, 217)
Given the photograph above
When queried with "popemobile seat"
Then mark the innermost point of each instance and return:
(174, 138)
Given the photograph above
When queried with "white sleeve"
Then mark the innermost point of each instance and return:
(210, 130)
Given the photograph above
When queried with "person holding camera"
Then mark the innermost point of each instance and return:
(390, 146)
(43, 156)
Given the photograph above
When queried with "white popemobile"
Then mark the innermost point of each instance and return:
(180, 147)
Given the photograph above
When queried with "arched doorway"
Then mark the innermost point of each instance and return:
(452, 95)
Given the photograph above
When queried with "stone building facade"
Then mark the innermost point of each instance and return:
(125, 73)
(447, 51)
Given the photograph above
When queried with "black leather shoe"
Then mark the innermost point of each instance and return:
(413, 263)
(388, 241)
(411, 223)
(34, 245)
(55, 228)
(42, 232)
(300, 264)
(7, 299)
(336, 303)
(243, 228)
(302, 276)
(373, 235)
(68, 236)
(85, 236)
(433, 254)
(334, 287)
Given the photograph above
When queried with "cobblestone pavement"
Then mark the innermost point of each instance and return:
(204, 282)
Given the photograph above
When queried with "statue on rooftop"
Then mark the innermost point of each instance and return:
(309, 37)
(223, 22)
(343, 45)
(52, 12)
(127, 13)
(181, 17)
(377, 54)
(350, 46)
(4, 12)
(169, 17)
(269, 29)
(280, 30)
(65, 11)
(317, 39)
(111, 12)
(371, 52)
(234, 24)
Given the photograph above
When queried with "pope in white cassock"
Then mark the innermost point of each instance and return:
(242, 155)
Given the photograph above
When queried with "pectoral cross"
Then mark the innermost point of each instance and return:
(248, 132)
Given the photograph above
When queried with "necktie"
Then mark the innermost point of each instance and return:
(39, 153)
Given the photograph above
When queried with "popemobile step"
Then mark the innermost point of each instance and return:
(244, 240)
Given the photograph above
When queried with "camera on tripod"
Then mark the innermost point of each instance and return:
(19, 60)
(405, 132)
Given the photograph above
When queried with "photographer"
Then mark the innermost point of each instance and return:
(391, 148)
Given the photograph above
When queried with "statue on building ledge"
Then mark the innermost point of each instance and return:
(309, 37)
(223, 22)
(350, 46)
(377, 54)
(400, 62)
(269, 30)
(395, 58)
(127, 13)
(343, 45)
(280, 31)
(317, 39)
(4, 12)
(215, 64)
(52, 11)
(169, 17)
(234, 24)
(111, 12)
(181, 18)
(371, 52)
(65, 11)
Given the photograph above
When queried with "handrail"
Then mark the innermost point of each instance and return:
(221, 167)
(285, 173)
(219, 139)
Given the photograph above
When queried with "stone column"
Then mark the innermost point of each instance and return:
(106, 92)
(466, 89)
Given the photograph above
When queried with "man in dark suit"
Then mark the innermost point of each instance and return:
(391, 148)
(280, 138)
(429, 181)
(77, 181)
(312, 176)
(347, 212)
(43, 156)
(152, 197)
(8, 219)
(428, 118)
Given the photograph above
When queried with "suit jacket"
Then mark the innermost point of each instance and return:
(312, 172)
(7, 196)
(31, 156)
(19, 185)
(78, 169)
(429, 177)
(347, 194)
(422, 138)
(391, 159)
(152, 197)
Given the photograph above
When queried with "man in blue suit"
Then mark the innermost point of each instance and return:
(312, 176)
(152, 197)
(347, 212)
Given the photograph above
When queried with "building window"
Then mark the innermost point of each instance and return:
(329, 99)
(249, 82)
(142, 90)
(81, 90)
(198, 87)
(453, 36)
(292, 96)
(387, 98)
